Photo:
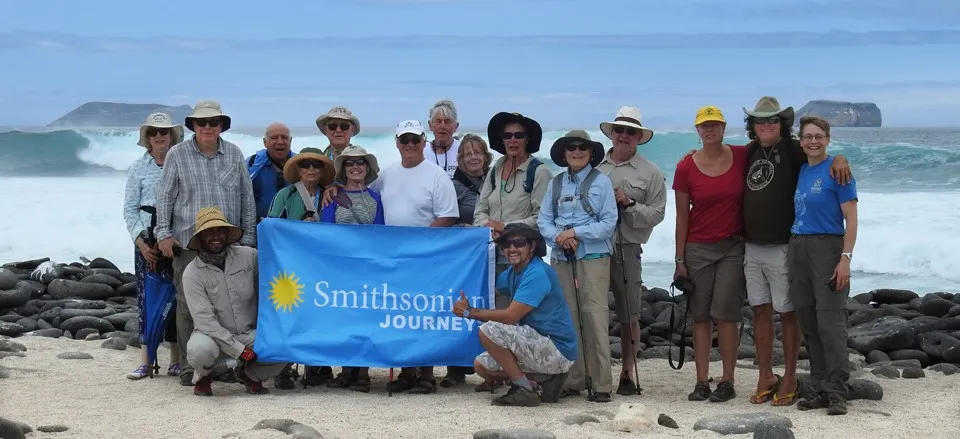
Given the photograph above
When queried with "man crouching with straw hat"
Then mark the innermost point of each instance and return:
(220, 285)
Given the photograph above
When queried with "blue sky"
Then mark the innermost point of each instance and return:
(563, 62)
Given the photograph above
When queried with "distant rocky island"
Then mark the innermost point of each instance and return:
(843, 114)
(113, 114)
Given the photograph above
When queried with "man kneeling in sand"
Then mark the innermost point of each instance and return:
(534, 336)
(220, 286)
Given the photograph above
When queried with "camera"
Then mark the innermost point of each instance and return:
(684, 284)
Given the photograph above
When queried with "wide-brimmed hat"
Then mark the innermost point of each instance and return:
(373, 169)
(520, 229)
(160, 120)
(708, 114)
(558, 150)
(205, 109)
(502, 119)
(629, 117)
(211, 217)
(291, 171)
(768, 106)
(338, 112)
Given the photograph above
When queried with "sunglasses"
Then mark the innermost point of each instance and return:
(409, 139)
(343, 126)
(620, 130)
(208, 122)
(306, 164)
(153, 132)
(766, 120)
(515, 243)
(575, 146)
(520, 135)
(355, 162)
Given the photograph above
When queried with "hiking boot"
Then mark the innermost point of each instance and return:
(253, 386)
(724, 392)
(627, 387)
(836, 406)
(818, 401)
(601, 397)
(317, 375)
(518, 396)
(186, 379)
(202, 388)
(551, 388)
(566, 393)
(283, 382)
(701, 392)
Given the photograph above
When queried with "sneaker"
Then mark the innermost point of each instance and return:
(253, 386)
(724, 392)
(601, 397)
(317, 375)
(202, 388)
(186, 379)
(174, 370)
(518, 396)
(836, 406)
(283, 382)
(818, 401)
(701, 392)
(141, 373)
(552, 387)
(627, 387)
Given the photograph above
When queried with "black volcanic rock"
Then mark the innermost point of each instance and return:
(113, 114)
(843, 114)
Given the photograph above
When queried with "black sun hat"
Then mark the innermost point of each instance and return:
(523, 230)
(502, 119)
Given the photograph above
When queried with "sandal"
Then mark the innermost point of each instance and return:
(342, 381)
(762, 397)
(402, 383)
(362, 384)
(452, 380)
(488, 386)
(424, 386)
(140, 373)
(174, 369)
(788, 399)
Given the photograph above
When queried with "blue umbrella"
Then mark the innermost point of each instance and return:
(159, 302)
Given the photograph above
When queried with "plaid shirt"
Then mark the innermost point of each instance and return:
(192, 181)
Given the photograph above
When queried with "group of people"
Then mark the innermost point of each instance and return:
(775, 219)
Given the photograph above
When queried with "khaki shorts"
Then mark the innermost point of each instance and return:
(535, 352)
(765, 267)
(631, 262)
(716, 270)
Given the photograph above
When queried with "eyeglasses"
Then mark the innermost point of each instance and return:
(211, 122)
(153, 132)
(343, 126)
(307, 164)
(354, 162)
(766, 120)
(472, 154)
(409, 139)
(817, 137)
(276, 137)
(620, 130)
(575, 146)
(515, 243)
(519, 135)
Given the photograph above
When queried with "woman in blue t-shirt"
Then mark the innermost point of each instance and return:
(821, 247)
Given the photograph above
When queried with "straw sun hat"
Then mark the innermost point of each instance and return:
(291, 171)
(211, 217)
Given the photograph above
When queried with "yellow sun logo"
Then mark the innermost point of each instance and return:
(285, 292)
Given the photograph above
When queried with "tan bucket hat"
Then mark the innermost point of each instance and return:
(338, 112)
(205, 109)
(211, 217)
(291, 173)
(768, 106)
(160, 120)
(373, 169)
(628, 117)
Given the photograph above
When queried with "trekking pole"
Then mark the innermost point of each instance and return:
(572, 257)
(633, 341)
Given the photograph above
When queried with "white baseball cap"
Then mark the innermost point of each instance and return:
(409, 127)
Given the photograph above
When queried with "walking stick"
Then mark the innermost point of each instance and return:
(633, 341)
(588, 381)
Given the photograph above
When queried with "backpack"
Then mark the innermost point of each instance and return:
(531, 175)
(584, 192)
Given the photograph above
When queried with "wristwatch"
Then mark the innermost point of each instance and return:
(144, 236)
(848, 255)
(466, 313)
(632, 203)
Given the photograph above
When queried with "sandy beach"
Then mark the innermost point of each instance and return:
(94, 400)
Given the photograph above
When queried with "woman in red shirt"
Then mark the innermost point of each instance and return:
(708, 188)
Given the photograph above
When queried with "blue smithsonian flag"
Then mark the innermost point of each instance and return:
(370, 295)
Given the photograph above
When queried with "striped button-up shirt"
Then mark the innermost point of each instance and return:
(192, 181)
(143, 179)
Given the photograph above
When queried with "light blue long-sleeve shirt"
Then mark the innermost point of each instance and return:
(143, 181)
(595, 236)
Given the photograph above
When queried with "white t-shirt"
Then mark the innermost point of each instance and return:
(446, 161)
(416, 196)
